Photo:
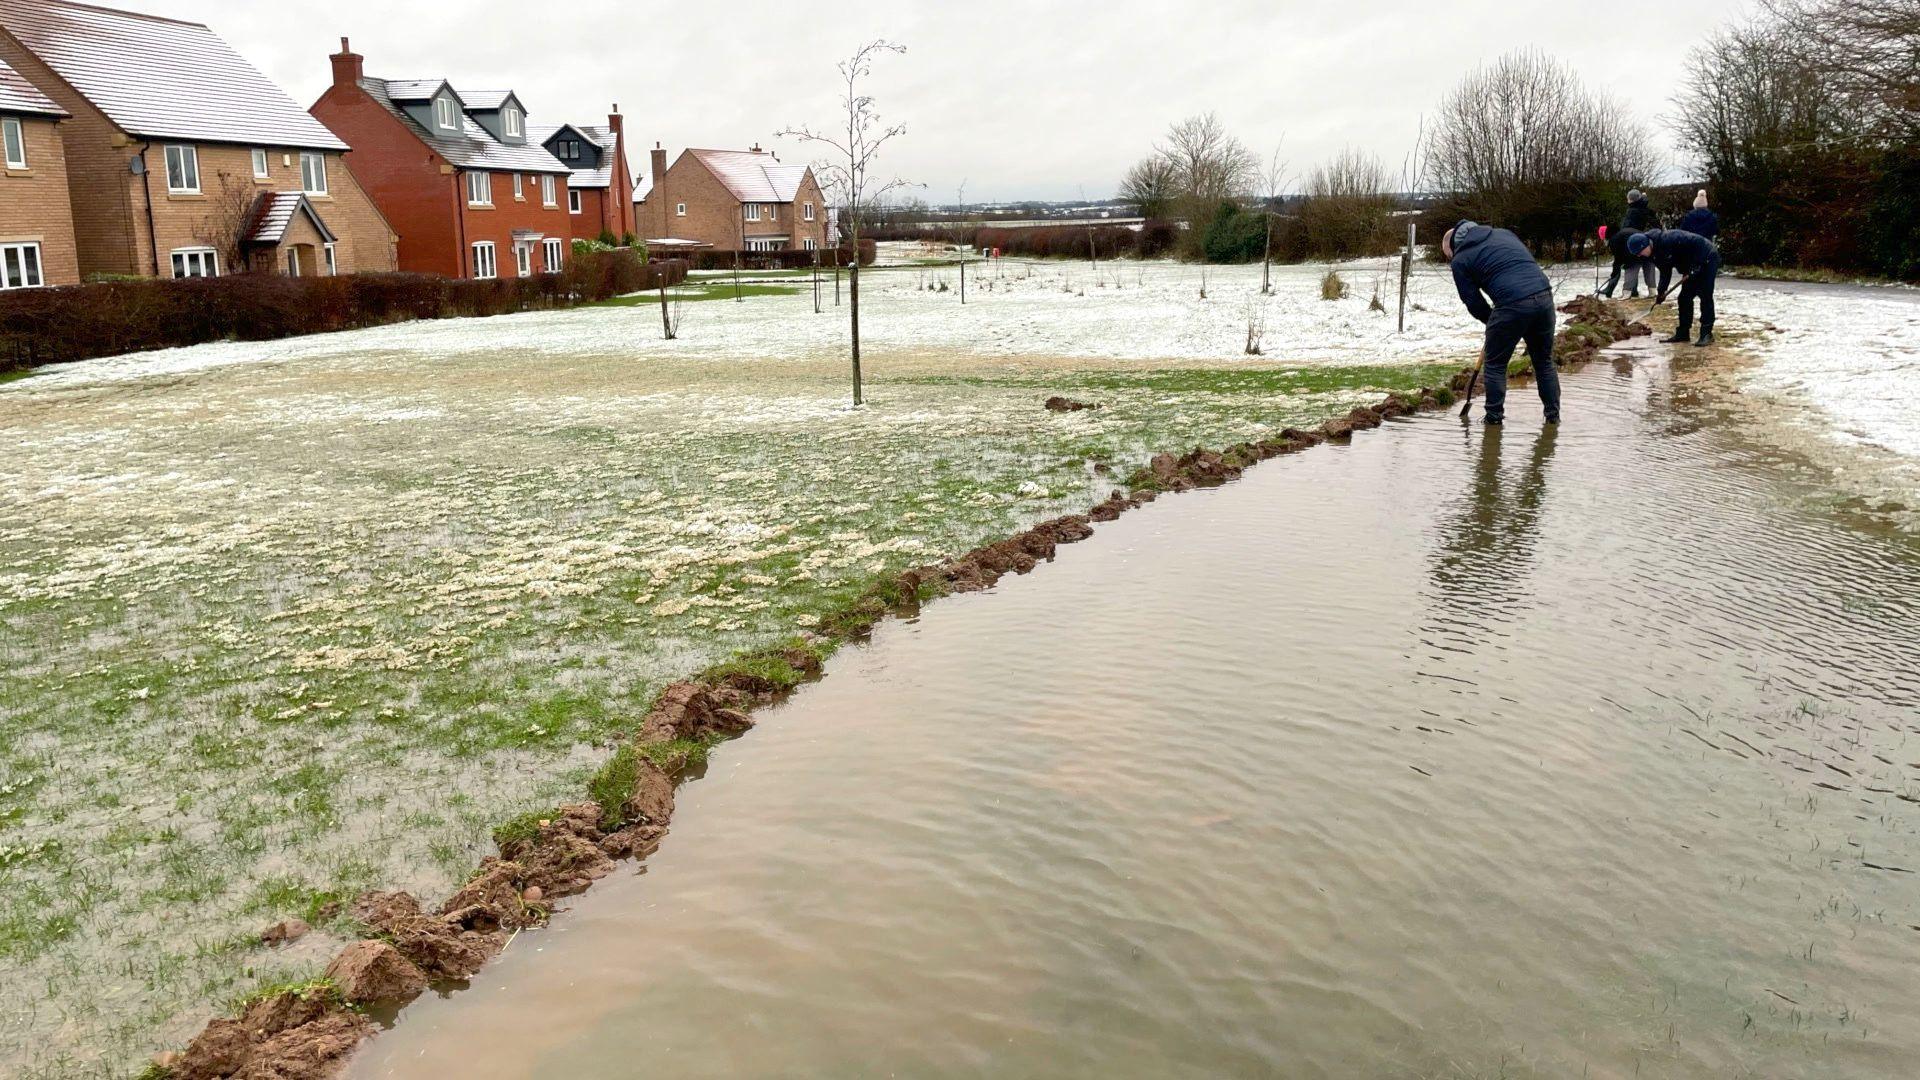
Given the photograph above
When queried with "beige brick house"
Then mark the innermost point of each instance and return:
(36, 219)
(182, 159)
(743, 200)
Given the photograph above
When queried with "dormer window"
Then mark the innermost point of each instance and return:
(444, 115)
(510, 121)
(569, 149)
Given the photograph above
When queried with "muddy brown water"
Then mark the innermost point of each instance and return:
(1443, 754)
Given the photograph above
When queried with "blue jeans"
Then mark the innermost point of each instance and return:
(1533, 321)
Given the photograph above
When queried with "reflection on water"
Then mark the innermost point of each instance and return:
(1443, 754)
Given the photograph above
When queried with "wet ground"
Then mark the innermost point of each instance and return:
(1449, 753)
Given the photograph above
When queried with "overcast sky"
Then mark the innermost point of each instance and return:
(1019, 99)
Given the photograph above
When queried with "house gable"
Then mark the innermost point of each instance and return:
(500, 113)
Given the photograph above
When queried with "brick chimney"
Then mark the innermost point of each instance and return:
(348, 66)
(615, 121)
(659, 164)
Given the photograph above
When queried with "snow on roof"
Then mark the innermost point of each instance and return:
(753, 176)
(484, 100)
(598, 134)
(417, 89)
(273, 211)
(17, 95)
(472, 147)
(162, 79)
(642, 188)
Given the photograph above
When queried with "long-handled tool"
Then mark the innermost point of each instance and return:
(1471, 379)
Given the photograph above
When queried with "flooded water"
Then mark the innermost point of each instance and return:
(1443, 754)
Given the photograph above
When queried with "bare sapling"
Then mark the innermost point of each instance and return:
(1271, 181)
(1256, 324)
(1203, 281)
(669, 313)
(1377, 304)
(853, 151)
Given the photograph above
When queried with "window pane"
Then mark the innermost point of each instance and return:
(10, 276)
(30, 258)
(16, 144)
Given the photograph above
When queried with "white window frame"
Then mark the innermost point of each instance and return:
(188, 157)
(445, 114)
(773, 211)
(753, 211)
(810, 244)
(510, 122)
(14, 134)
(479, 188)
(293, 261)
(573, 200)
(333, 260)
(553, 254)
(519, 194)
(547, 197)
(194, 262)
(485, 260)
(807, 211)
(679, 209)
(262, 168)
(523, 258)
(15, 256)
(319, 163)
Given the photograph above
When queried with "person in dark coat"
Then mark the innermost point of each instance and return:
(1493, 265)
(1639, 215)
(1698, 263)
(1701, 221)
(1623, 260)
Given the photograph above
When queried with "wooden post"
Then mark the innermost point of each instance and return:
(836, 284)
(816, 283)
(1406, 271)
(963, 281)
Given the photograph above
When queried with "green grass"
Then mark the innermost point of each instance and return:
(613, 785)
(13, 376)
(701, 292)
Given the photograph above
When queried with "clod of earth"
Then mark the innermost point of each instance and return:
(368, 972)
(284, 931)
(1061, 404)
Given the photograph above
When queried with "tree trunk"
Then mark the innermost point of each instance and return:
(666, 324)
(853, 300)
(1266, 259)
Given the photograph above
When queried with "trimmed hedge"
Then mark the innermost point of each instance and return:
(784, 259)
(79, 322)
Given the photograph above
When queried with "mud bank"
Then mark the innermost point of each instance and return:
(405, 947)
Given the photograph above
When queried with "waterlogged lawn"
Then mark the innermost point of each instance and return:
(275, 632)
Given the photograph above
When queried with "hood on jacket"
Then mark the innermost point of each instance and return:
(1468, 233)
(1700, 200)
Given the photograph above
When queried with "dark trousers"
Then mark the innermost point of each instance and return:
(1698, 284)
(1635, 269)
(1533, 321)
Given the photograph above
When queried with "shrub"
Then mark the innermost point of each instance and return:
(78, 322)
(1331, 287)
(785, 259)
(1060, 241)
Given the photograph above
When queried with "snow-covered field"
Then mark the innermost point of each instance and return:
(1852, 353)
(292, 619)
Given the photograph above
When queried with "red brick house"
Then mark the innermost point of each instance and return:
(732, 200)
(469, 189)
(177, 150)
(597, 190)
(36, 218)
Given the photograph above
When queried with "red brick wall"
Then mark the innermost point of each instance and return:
(497, 224)
(409, 182)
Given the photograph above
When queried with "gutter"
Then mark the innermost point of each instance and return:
(146, 186)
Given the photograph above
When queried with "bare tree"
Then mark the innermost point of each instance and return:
(1272, 180)
(1211, 163)
(1348, 207)
(1867, 51)
(854, 149)
(1152, 186)
(1524, 144)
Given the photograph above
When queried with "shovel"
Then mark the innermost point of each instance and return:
(1471, 379)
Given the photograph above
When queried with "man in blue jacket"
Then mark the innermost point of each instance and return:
(1698, 262)
(1494, 262)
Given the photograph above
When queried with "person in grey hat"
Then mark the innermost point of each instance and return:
(1640, 218)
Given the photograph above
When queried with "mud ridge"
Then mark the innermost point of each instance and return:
(309, 1032)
